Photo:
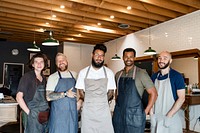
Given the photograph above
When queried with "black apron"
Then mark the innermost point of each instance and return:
(64, 115)
(37, 104)
(129, 115)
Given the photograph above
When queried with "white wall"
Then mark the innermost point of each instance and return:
(190, 68)
(79, 55)
(182, 33)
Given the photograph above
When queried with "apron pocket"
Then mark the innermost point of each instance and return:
(135, 117)
(168, 121)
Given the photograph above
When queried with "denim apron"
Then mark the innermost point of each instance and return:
(129, 115)
(159, 122)
(37, 104)
(96, 115)
(64, 115)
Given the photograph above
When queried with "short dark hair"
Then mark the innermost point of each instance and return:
(38, 55)
(129, 50)
(100, 47)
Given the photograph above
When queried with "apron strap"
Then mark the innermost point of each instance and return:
(59, 75)
(120, 74)
(72, 76)
(87, 72)
(105, 72)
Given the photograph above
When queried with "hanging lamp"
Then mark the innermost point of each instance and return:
(50, 41)
(149, 51)
(116, 57)
(34, 48)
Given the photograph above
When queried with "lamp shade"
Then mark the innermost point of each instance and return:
(116, 57)
(35, 48)
(50, 41)
(149, 51)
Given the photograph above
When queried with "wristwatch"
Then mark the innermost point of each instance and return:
(65, 93)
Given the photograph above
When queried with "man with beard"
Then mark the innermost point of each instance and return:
(129, 114)
(62, 94)
(171, 95)
(96, 85)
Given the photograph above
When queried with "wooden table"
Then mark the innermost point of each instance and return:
(190, 99)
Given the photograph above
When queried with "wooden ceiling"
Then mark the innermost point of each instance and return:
(24, 20)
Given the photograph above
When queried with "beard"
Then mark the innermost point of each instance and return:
(165, 66)
(129, 63)
(96, 64)
(62, 69)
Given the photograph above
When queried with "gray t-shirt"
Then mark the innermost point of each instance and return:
(142, 79)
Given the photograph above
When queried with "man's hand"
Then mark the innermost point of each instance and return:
(70, 93)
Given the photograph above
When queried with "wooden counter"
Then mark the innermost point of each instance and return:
(190, 99)
(8, 110)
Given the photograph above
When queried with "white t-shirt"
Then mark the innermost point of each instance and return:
(53, 79)
(95, 74)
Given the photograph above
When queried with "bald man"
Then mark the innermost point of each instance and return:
(171, 95)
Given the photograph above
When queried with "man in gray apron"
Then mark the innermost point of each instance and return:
(171, 95)
(129, 114)
(96, 84)
(62, 94)
(31, 95)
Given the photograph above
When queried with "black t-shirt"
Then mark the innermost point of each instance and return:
(28, 85)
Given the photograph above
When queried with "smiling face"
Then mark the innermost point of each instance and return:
(164, 60)
(61, 63)
(128, 58)
(98, 58)
(38, 64)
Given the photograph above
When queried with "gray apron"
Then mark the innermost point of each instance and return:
(129, 115)
(37, 104)
(96, 116)
(64, 115)
(159, 122)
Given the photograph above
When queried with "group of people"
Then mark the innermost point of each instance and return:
(91, 90)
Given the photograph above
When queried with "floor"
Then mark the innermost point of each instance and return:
(14, 128)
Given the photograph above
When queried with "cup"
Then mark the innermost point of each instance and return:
(1, 96)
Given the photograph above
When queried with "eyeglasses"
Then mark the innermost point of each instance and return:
(97, 55)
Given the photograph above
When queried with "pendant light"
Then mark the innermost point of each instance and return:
(149, 51)
(34, 48)
(50, 41)
(116, 57)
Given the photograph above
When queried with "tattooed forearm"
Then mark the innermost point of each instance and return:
(81, 95)
(110, 95)
(50, 95)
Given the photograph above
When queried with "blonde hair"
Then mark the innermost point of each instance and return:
(60, 54)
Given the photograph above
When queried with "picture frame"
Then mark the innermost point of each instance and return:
(46, 72)
(31, 55)
(12, 73)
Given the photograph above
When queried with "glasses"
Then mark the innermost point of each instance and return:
(98, 55)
